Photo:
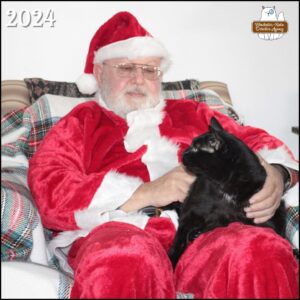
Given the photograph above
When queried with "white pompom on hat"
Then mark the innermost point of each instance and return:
(121, 36)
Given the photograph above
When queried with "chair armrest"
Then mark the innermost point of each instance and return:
(219, 87)
(14, 95)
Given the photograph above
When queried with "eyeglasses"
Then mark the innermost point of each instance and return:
(128, 70)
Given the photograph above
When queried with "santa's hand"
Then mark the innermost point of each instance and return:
(171, 187)
(263, 204)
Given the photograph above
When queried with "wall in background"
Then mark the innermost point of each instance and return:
(207, 41)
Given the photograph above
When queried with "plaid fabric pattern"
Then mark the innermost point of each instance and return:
(30, 125)
(213, 100)
(18, 215)
(191, 89)
(180, 295)
(64, 287)
(38, 87)
(18, 212)
(292, 228)
(36, 120)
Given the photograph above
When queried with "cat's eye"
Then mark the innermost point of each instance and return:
(214, 143)
(195, 147)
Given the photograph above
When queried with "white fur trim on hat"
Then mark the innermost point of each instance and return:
(133, 48)
(87, 84)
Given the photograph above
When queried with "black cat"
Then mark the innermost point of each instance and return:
(228, 174)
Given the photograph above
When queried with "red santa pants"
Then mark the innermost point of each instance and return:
(119, 260)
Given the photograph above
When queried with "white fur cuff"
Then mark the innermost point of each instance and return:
(114, 191)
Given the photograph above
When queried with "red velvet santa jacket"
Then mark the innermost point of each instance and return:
(92, 160)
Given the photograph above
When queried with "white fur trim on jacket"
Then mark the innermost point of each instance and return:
(59, 246)
(142, 124)
(280, 155)
(161, 155)
(114, 191)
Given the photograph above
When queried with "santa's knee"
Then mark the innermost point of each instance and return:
(121, 260)
(238, 261)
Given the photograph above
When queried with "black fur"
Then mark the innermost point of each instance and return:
(228, 174)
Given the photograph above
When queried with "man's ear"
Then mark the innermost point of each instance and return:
(98, 70)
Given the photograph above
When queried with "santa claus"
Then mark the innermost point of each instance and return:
(106, 161)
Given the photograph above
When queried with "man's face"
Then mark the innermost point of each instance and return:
(125, 94)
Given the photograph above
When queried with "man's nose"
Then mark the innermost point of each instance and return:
(138, 76)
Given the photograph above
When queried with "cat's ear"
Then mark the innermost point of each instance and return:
(215, 125)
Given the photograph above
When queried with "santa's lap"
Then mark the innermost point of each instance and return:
(120, 260)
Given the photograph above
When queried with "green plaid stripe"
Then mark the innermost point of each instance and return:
(41, 129)
(37, 121)
(11, 121)
(183, 94)
(17, 221)
(15, 246)
(65, 286)
(41, 122)
(292, 227)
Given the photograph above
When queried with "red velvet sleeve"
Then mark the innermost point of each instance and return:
(273, 150)
(256, 138)
(58, 174)
(186, 119)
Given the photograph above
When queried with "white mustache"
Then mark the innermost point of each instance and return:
(136, 90)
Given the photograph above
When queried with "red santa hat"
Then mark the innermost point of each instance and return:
(121, 36)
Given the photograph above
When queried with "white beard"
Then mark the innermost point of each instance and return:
(121, 106)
